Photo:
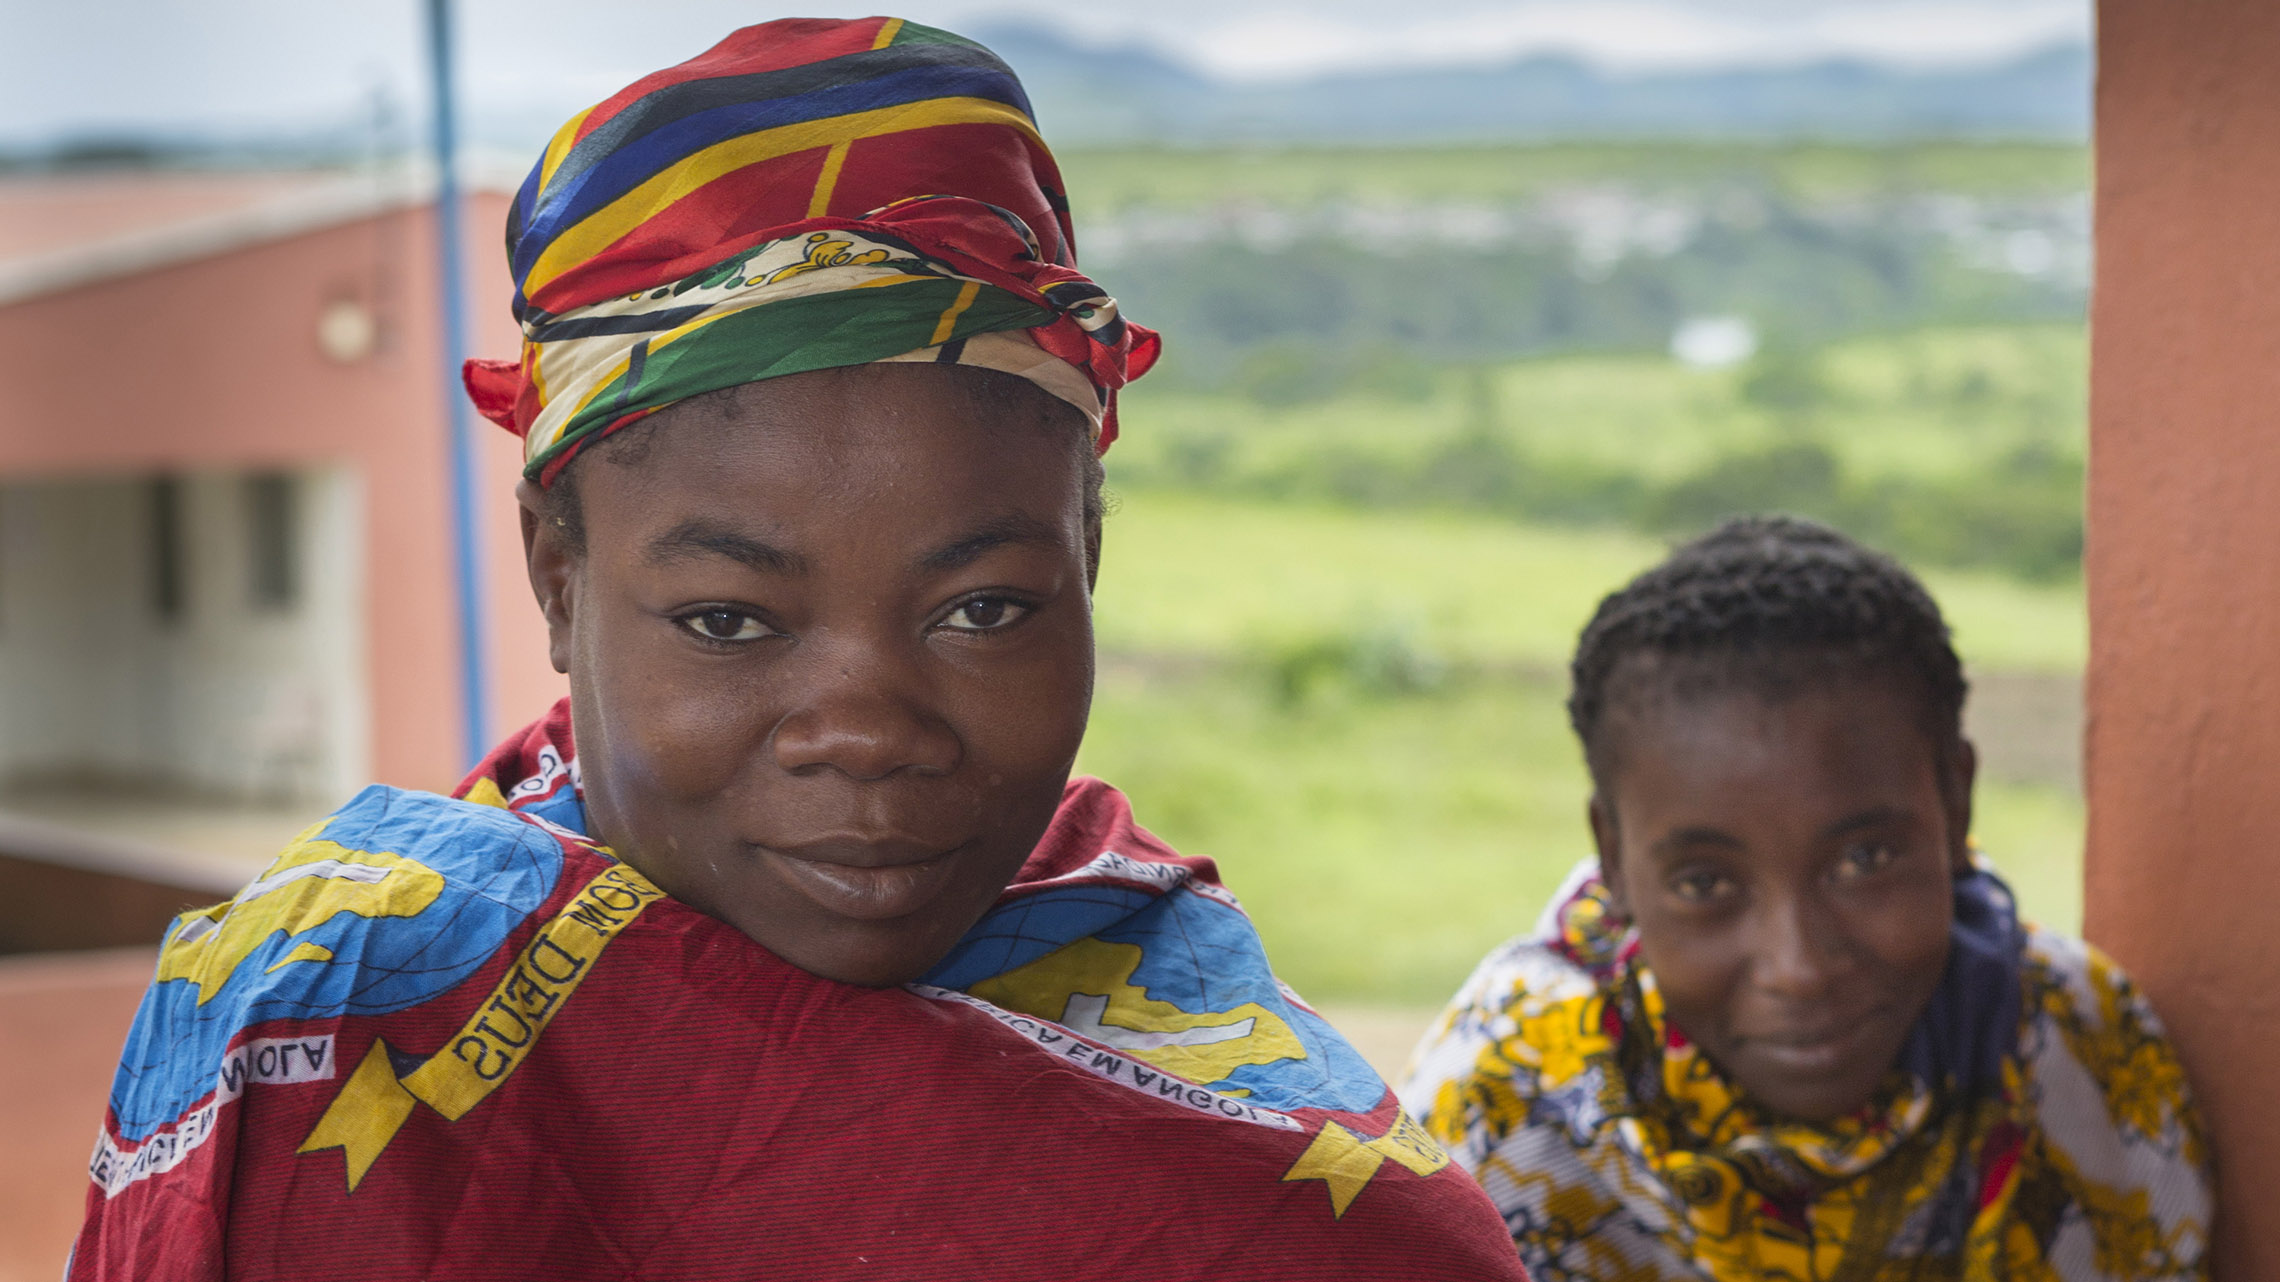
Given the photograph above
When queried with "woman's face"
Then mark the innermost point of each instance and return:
(1788, 862)
(830, 654)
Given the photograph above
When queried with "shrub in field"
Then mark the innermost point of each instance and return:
(1796, 476)
(1379, 663)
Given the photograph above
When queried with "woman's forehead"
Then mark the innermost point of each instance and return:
(880, 443)
(1743, 743)
(1840, 683)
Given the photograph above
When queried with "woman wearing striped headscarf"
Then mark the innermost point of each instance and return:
(785, 946)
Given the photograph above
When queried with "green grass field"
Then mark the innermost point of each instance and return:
(1200, 575)
(1385, 839)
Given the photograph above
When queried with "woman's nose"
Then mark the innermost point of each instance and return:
(1799, 956)
(867, 718)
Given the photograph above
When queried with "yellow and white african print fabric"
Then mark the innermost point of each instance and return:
(1619, 1153)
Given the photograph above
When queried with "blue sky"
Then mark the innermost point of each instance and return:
(269, 66)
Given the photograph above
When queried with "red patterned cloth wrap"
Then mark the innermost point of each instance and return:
(806, 194)
(454, 1038)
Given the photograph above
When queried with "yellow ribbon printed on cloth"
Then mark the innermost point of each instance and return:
(496, 1038)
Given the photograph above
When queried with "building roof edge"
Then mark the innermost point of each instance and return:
(327, 203)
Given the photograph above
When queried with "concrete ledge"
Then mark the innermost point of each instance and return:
(69, 889)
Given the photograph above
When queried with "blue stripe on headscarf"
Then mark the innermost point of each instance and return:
(567, 201)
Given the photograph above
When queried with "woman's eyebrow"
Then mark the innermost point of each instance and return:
(1013, 527)
(1671, 844)
(1874, 816)
(694, 539)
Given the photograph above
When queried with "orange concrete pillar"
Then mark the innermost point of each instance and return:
(63, 1018)
(2184, 563)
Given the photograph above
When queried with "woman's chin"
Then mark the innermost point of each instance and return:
(1815, 1098)
(1816, 1075)
(866, 953)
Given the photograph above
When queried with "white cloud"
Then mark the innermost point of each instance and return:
(276, 65)
(1293, 39)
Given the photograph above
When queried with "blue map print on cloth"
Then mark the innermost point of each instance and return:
(563, 809)
(1197, 954)
(394, 900)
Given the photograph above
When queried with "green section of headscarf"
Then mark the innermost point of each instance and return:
(793, 336)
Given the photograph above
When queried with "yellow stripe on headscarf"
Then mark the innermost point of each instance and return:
(820, 203)
(559, 146)
(834, 160)
(948, 325)
(605, 226)
(530, 364)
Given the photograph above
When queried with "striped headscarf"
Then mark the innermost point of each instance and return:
(806, 194)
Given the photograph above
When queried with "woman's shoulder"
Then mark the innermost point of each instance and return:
(1530, 1023)
(2072, 987)
(1094, 832)
(391, 872)
(1531, 988)
(387, 902)
(2099, 1064)
(2116, 1118)
(1511, 988)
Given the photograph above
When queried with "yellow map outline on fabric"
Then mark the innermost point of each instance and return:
(308, 885)
(1087, 987)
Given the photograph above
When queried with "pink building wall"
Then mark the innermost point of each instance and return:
(2184, 681)
(214, 364)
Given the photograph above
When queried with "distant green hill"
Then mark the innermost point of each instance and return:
(1310, 264)
(1126, 94)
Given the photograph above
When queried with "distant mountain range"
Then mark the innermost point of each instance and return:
(1092, 95)
(1112, 95)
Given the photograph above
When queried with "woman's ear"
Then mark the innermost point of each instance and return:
(552, 563)
(1603, 835)
(1092, 556)
(1962, 773)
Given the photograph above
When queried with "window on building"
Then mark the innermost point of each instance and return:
(169, 582)
(272, 511)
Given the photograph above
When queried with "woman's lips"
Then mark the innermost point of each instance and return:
(1820, 1051)
(867, 882)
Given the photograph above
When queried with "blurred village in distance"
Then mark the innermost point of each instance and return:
(1433, 384)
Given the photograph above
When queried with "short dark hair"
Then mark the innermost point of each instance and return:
(1763, 600)
(1008, 394)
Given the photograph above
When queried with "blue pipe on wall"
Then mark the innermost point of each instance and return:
(474, 684)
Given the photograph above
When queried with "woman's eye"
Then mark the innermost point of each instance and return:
(1865, 858)
(725, 625)
(984, 614)
(1701, 887)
